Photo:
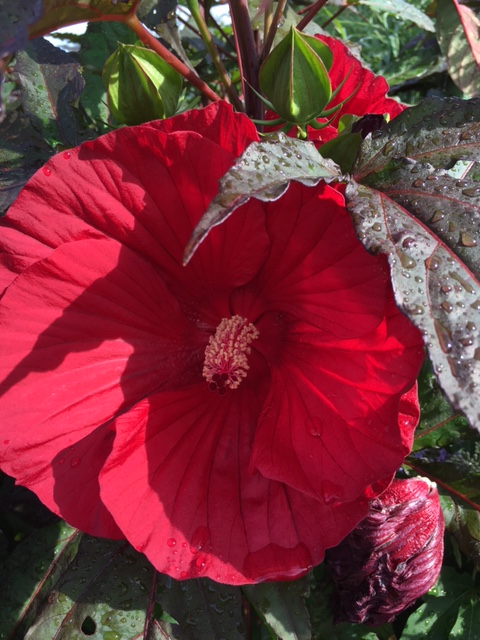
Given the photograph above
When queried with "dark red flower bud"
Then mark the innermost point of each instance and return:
(392, 557)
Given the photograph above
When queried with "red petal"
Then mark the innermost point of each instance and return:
(317, 269)
(87, 333)
(333, 409)
(178, 485)
(369, 91)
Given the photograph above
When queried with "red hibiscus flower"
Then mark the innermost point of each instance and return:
(367, 91)
(392, 557)
(230, 418)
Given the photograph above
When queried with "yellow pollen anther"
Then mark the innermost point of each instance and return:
(226, 363)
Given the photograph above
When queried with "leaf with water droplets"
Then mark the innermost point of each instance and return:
(449, 207)
(30, 573)
(451, 610)
(202, 609)
(437, 131)
(264, 171)
(282, 606)
(50, 82)
(457, 28)
(432, 286)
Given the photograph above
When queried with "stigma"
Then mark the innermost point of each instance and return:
(226, 364)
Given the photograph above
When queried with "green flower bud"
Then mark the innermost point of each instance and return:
(294, 78)
(140, 85)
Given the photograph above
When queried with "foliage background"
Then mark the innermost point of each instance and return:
(58, 583)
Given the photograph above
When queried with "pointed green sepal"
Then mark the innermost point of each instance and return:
(294, 78)
(140, 85)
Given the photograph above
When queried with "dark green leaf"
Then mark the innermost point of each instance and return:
(401, 10)
(15, 18)
(464, 524)
(451, 605)
(108, 592)
(204, 610)
(30, 574)
(459, 43)
(22, 152)
(440, 425)
(59, 13)
(264, 171)
(282, 606)
(435, 289)
(51, 84)
(437, 131)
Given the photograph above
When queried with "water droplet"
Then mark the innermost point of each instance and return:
(171, 542)
(66, 155)
(466, 342)
(471, 326)
(473, 192)
(446, 288)
(447, 306)
(408, 242)
(47, 171)
(6, 442)
(376, 226)
(419, 184)
(432, 263)
(437, 216)
(200, 537)
(467, 135)
(407, 261)
(467, 240)
(444, 338)
(75, 462)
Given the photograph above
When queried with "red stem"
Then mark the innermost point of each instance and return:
(247, 56)
(137, 27)
(311, 13)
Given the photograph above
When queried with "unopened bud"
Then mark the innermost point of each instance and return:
(294, 78)
(392, 557)
(140, 85)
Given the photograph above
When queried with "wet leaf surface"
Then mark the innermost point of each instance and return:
(432, 286)
(282, 606)
(264, 171)
(464, 524)
(50, 82)
(437, 131)
(22, 152)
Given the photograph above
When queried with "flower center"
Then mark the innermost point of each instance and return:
(226, 361)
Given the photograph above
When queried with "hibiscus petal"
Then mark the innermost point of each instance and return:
(333, 410)
(146, 187)
(317, 269)
(88, 332)
(177, 484)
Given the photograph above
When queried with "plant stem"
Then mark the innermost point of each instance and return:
(213, 51)
(247, 56)
(335, 15)
(137, 27)
(311, 13)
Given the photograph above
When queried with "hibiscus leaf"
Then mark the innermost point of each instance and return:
(22, 152)
(463, 523)
(201, 609)
(30, 573)
(282, 606)
(452, 604)
(51, 83)
(437, 131)
(59, 13)
(457, 29)
(440, 426)
(15, 18)
(401, 10)
(432, 286)
(263, 171)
